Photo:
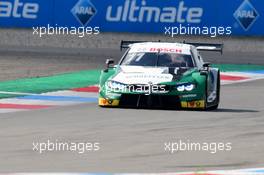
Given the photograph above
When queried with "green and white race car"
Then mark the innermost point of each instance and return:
(161, 75)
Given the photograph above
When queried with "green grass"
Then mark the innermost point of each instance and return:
(51, 83)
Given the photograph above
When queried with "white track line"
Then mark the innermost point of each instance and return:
(15, 93)
(72, 94)
(2, 111)
(66, 93)
(55, 93)
(37, 102)
(224, 82)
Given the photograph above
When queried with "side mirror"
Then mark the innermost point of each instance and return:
(108, 64)
(204, 70)
(206, 64)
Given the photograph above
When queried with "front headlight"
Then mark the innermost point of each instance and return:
(114, 85)
(189, 87)
(185, 87)
(180, 88)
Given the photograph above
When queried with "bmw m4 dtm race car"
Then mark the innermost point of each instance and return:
(161, 75)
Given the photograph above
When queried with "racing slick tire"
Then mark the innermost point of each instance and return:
(217, 100)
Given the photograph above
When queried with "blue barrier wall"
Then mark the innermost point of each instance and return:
(246, 17)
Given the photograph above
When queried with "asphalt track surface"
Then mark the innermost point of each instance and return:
(132, 140)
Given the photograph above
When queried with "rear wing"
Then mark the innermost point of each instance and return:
(125, 44)
(199, 46)
(207, 46)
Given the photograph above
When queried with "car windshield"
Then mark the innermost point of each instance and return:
(158, 59)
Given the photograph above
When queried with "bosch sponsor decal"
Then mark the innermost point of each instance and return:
(175, 50)
(246, 15)
(83, 11)
(157, 49)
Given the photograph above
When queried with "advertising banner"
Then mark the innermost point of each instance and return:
(237, 17)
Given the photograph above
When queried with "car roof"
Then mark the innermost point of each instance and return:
(164, 47)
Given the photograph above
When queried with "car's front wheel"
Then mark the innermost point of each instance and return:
(216, 102)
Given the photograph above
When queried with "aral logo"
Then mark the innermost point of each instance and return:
(83, 11)
(246, 15)
(18, 9)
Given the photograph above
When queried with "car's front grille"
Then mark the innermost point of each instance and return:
(149, 101)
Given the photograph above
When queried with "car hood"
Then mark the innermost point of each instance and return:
(144, 75)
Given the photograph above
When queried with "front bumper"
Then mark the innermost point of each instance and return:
(197, 104)
(107, 102)
(152, 101)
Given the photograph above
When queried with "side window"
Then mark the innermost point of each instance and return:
(195, 56)
(123, 57)
(200, 57)
(200, 60)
